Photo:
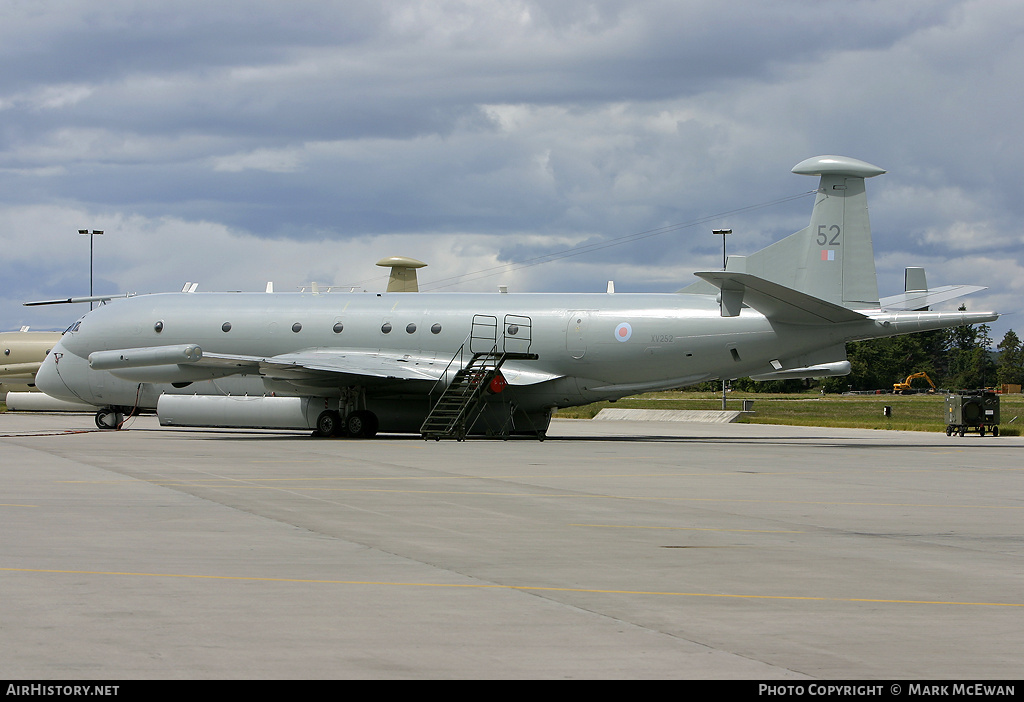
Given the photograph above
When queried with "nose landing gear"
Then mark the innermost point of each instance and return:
(109, 418)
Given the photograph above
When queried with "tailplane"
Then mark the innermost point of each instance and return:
(918, 296)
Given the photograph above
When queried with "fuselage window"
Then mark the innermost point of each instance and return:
(436, 329)
(226, 327)
(386, 327)
(159, 326)
(411, 328)
(297, 327)
(513, 329)
(339, 327)
(7, 352)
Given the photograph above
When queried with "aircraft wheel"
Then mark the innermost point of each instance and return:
(362, 424)
(328, 423)
(995, 431)
(981, 430)
(107, 418)
(963, 430)
(949, 430)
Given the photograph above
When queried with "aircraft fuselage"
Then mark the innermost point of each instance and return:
(589, 346)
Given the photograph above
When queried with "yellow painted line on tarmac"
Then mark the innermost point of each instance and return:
(596, 591)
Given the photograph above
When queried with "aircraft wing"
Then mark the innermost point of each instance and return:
(321, 364)
(315, 366)
(920, 299)
(525, 374)
(327, 364)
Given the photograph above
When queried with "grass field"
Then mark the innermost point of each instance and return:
(909, 412)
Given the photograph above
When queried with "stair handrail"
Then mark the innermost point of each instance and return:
(511, 326)
(460, 354)
(490, 325)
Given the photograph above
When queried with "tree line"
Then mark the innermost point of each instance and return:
(958, 358)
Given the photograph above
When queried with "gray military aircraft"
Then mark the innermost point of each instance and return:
(446, 364)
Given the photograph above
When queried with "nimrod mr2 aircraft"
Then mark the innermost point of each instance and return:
(448, 364)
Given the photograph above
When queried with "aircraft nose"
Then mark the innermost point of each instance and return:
(48, 378)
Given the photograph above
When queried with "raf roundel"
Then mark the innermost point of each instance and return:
(623, 332)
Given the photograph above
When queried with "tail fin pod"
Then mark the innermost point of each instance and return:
(832, 258)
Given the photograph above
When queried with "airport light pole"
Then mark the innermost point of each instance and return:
(723, 233)
(91, 234)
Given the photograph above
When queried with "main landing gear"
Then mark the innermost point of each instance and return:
(361, 424)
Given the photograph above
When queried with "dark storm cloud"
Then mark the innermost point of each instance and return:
(325, 70)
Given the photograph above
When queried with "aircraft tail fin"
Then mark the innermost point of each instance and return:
(832, 258)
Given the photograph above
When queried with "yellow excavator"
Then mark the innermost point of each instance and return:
(904, 387)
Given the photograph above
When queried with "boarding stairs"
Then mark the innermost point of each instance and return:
(463, 400)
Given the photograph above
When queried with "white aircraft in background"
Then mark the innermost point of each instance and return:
(23, 352)
(447, 364)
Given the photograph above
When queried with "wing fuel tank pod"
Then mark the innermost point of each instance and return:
(238, 411)
(146, 356)
(41, 402)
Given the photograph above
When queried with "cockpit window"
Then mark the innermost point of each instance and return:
(74, 327)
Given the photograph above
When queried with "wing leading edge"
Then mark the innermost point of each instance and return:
(319, 365)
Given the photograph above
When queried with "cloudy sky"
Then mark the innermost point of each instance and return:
(240, 141)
